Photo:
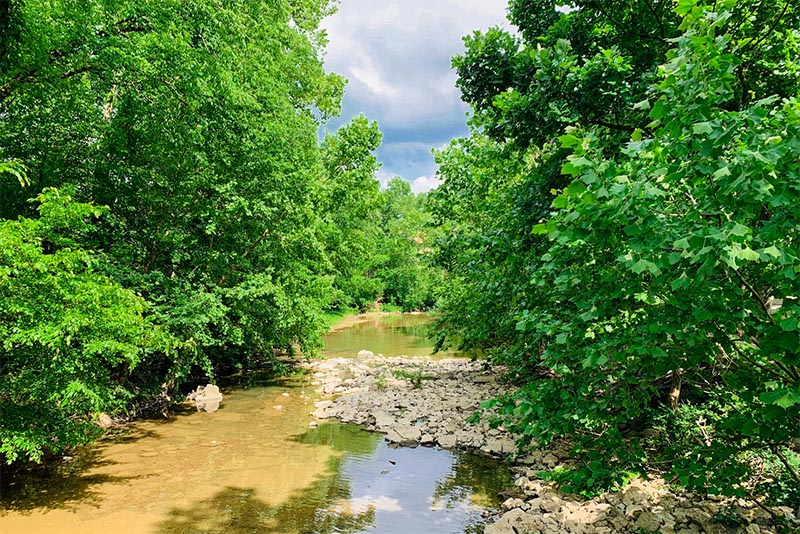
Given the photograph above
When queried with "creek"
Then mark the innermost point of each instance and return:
(256, 466)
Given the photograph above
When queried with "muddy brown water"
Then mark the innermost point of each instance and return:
(391, 335)
(256, 466)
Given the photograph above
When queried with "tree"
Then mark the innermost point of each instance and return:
(646, 295)
(195, 123)
(404, 267)
(192, 125)
(71, 336)
(349, 204)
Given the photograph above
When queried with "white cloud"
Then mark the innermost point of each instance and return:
(384, 177)
(423, 184)
(396, 55)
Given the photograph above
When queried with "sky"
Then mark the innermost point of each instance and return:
(396, 58)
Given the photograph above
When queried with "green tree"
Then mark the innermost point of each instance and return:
(70, 336)
(404, 265)
(349, 205)
(646, 294)
(195, 123)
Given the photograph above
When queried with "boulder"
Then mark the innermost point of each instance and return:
(104, 421)
(404, 435)
(447, 441)
(382, 419)
(648, 522)
(206, 399)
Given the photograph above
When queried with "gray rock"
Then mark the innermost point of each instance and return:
(648, 522)
(426, 439)
(500, 446)
(382, 419)
(404, 435)
(551, 460)
(507, 524)
(447, 441)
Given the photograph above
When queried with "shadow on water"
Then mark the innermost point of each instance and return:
(62, 484)
(473, 475)
(367, 487)
(240, 511)
(310, 511)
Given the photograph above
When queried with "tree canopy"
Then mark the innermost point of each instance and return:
(191, 127)
(621, 231)
(167, 209)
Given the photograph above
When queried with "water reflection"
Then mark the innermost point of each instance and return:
(390, 335)
(369, 488)
(414, 490)
(256, 467)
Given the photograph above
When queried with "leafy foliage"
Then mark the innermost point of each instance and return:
(658, 289)
(71, 336)
(403, 262)
(195, 125)
(350, 206)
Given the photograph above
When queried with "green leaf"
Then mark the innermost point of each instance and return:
(681, 244)
(685, 7)
(748, 254)
(702, 128)
(645, 265)
(569, 141)
(575, 189)
(740, 230)
(722, 172)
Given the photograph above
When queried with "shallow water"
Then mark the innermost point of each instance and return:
(254, 466)
(390, 335)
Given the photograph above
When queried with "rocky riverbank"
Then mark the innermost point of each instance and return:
(421, 401)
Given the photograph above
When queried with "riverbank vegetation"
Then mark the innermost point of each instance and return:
(167, 209)
(621, 230)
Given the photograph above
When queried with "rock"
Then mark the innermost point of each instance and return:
(648, 521)
(511, 502)
(206, 399)
(634, 495)
(633, 510)
(313, 424)
(551, 460)
(447, 441)
(509, 523)
(483, 379)
(602, 510)
(104, 421)
(382, 419)
(365, 354)
(698, 516)
(550, 505)
(404, 435)
(500, 446)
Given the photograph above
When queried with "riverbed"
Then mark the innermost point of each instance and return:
(257, 465)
